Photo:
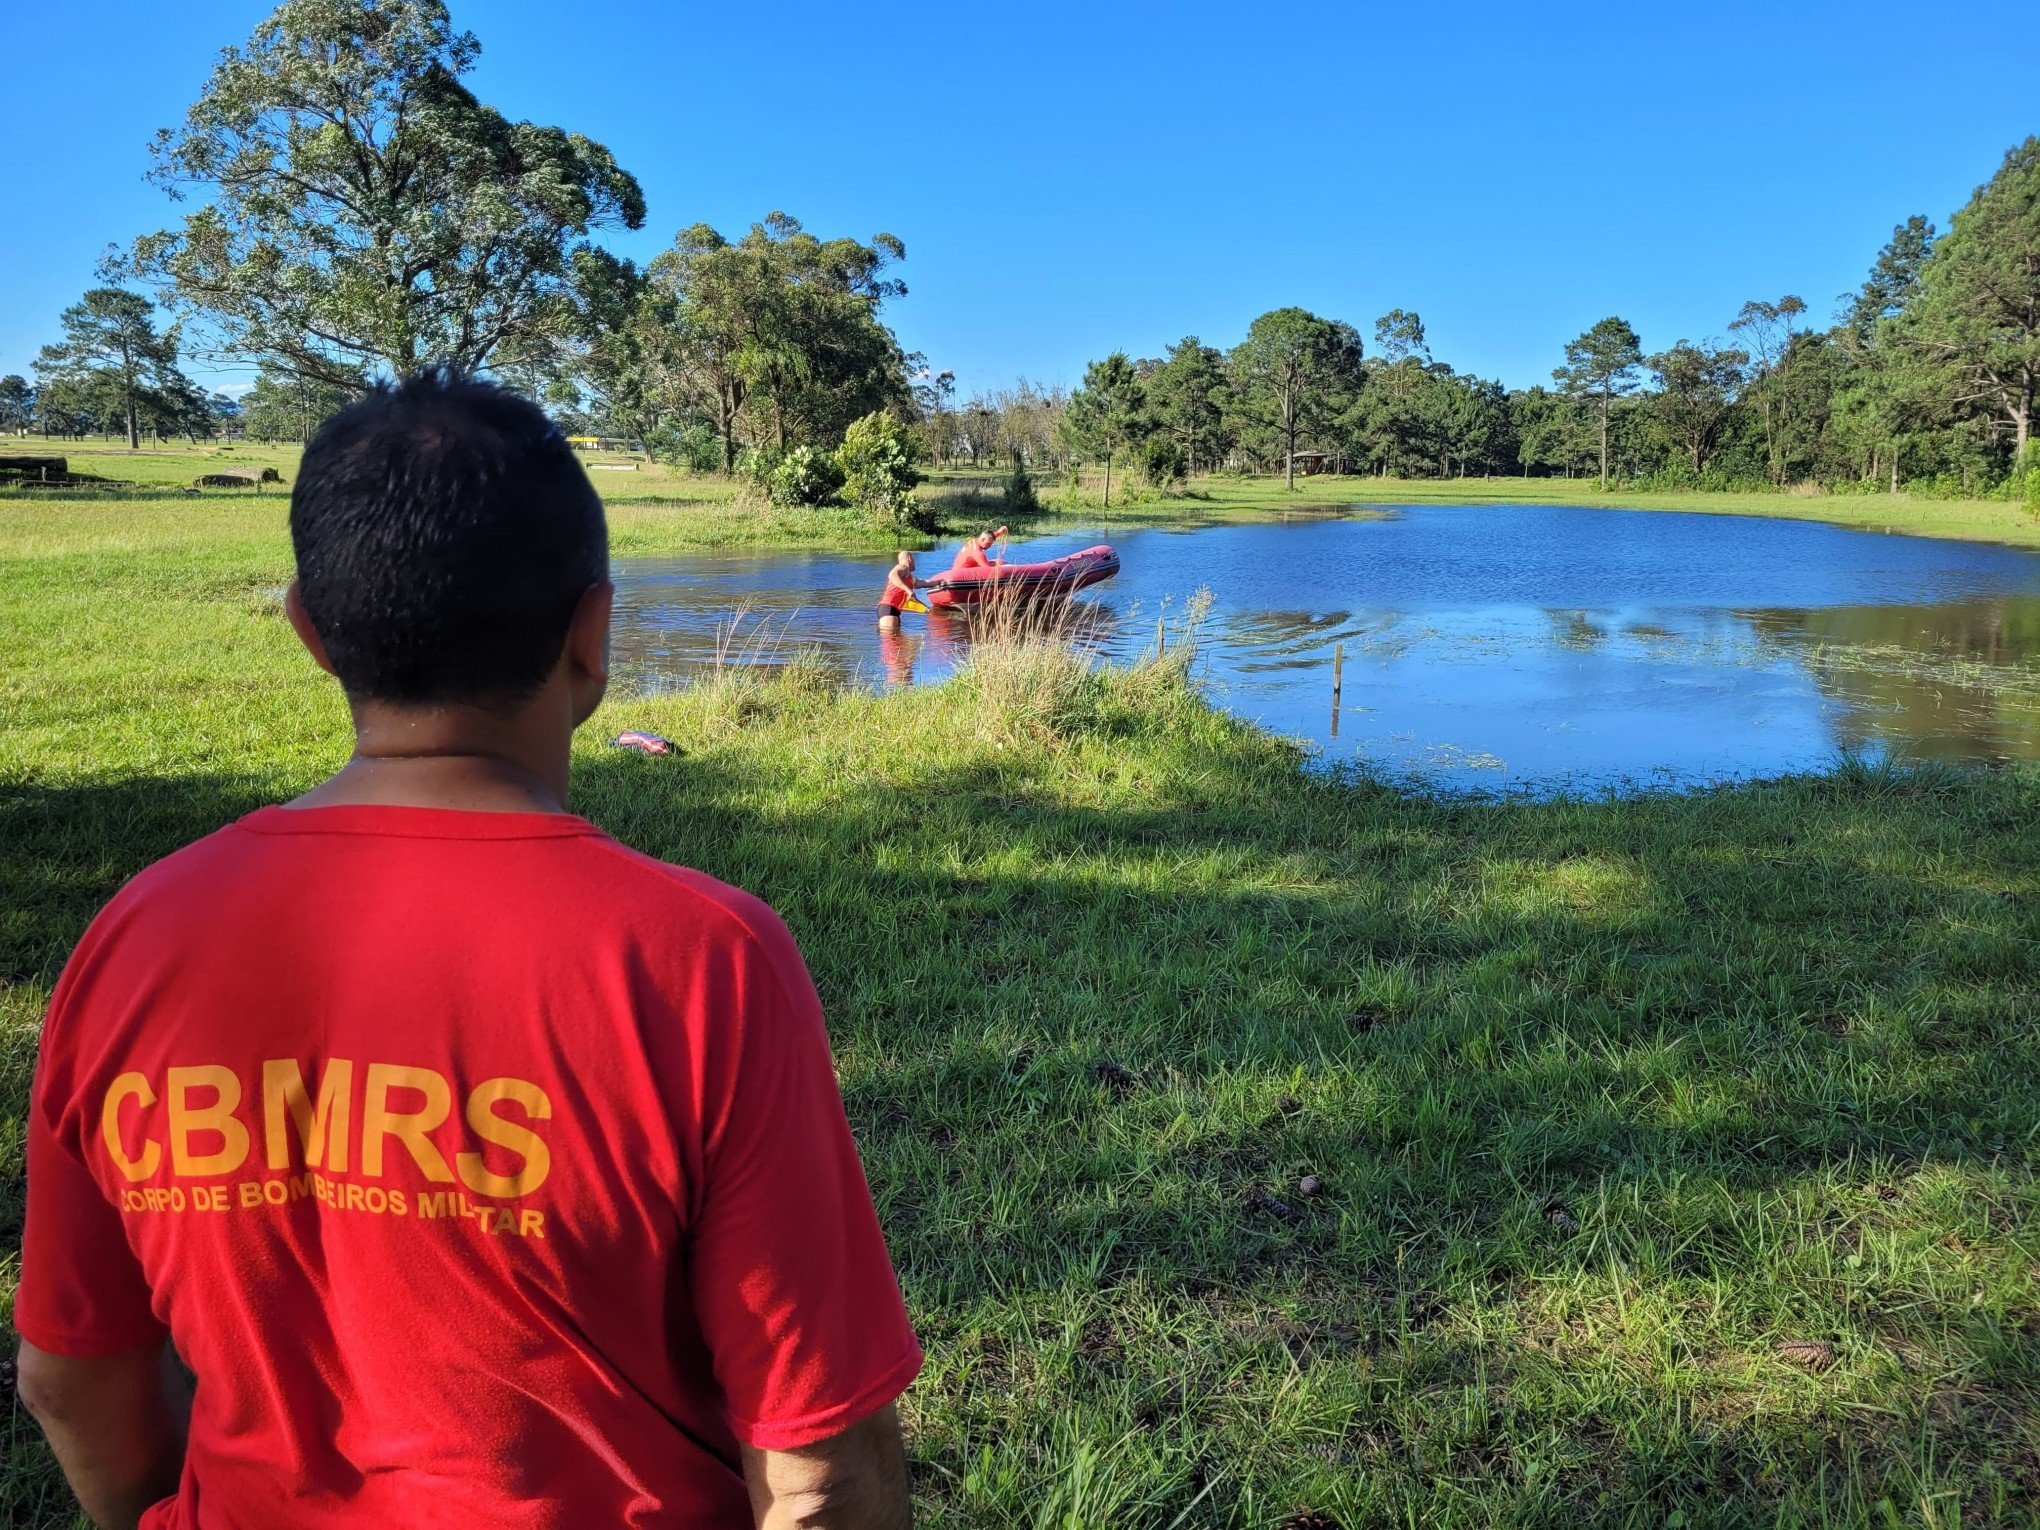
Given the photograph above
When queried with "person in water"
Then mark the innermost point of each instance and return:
(977, 552)
(900, 583)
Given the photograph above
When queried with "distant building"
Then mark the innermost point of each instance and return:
(604, 444)
(1309, 463)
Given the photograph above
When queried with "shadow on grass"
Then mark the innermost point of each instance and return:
(1587, 1092)
(63, 852)
(1251, 1144)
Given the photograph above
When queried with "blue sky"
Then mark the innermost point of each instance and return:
(1074, 178)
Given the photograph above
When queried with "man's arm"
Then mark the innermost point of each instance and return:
(856, 1480)
(116, 1423)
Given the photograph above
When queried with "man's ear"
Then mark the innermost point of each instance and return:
(587, 652)
(301, 624)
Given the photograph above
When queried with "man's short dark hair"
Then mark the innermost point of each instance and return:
(444, 532)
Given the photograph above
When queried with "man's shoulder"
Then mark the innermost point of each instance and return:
(742, 916)
(172, 879)
(182, 882)
(160, 905)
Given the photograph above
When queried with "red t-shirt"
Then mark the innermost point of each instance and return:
(969, 556)
(485, 1172)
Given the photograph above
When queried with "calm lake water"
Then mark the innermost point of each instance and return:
(1487, 648)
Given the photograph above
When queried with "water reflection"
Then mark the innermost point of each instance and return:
(1494, 647)
(1955, 682)
(1276, 640)
(897, 651)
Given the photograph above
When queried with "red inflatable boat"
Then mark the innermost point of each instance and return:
(1023, 581)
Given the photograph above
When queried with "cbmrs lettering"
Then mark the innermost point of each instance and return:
(322, 1132)
(207, 1120)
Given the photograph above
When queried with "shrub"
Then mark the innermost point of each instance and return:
(805, 476)
(695, 447)
(1019, 491)
(877, 459)
(757, 464)
(1161, 462)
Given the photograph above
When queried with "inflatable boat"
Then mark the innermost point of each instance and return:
(1023, 581)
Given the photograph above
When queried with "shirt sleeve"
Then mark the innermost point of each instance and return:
(788, 1271)
(82, 1291)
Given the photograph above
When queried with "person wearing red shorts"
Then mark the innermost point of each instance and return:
(900, 584)
(482, 1171)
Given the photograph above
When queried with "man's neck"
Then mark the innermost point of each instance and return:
(462, 758)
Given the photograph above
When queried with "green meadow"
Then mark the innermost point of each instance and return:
(657, 507)
(1257, 1148)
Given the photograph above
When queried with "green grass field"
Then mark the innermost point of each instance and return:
(173, 465)
(1607, 1105)
(658, 508)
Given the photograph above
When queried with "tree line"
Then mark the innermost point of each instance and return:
(360, 213)
(116, 372)
(1926, 375)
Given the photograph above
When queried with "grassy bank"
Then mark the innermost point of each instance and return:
(655, 508)
(253, 527)
(1603, 1107)
(1976, 520)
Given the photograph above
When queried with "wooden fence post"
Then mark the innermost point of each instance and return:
(1338, 682)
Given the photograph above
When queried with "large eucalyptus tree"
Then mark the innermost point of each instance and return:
(362, 212)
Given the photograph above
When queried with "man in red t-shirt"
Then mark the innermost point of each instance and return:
(977, 552)
(482, 1171)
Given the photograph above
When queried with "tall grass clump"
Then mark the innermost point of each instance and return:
(1158, 684)
(749, 656)
(1024, 676)
(1030, 676)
